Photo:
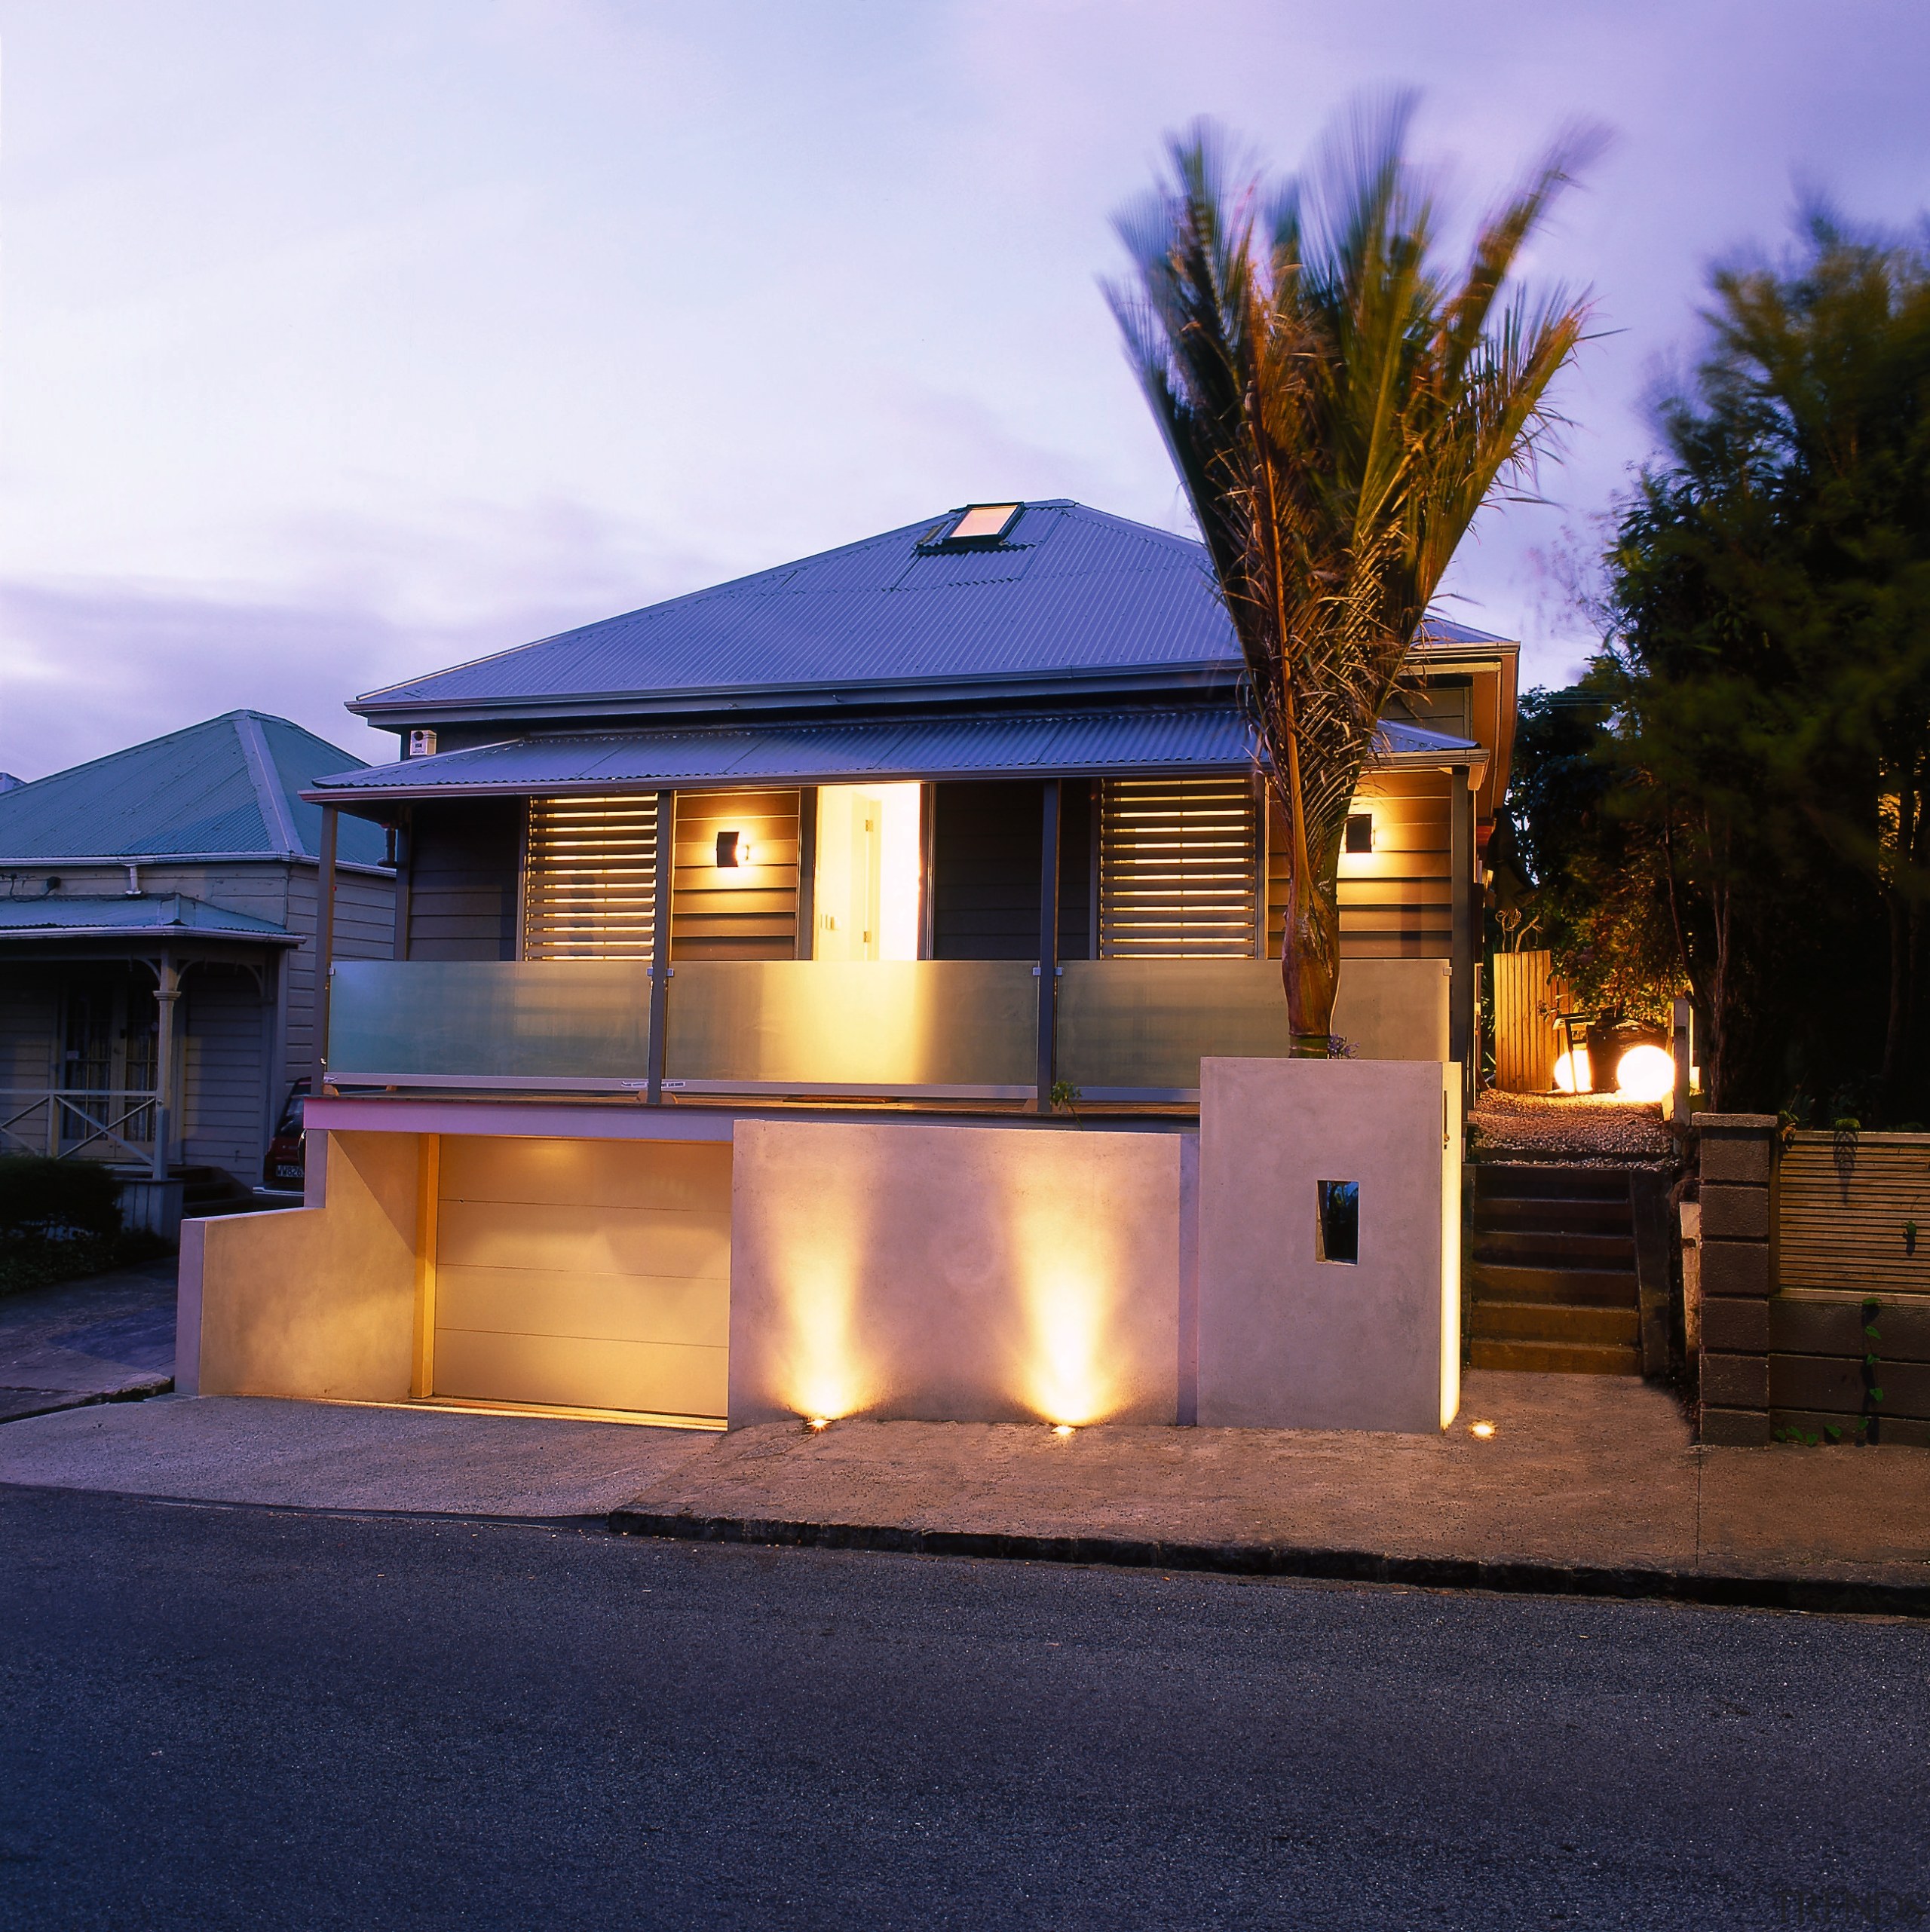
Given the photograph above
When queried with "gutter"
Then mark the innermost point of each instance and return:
(349, 799)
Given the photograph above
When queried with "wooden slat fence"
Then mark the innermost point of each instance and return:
(1526, 997)
(1843, 1205)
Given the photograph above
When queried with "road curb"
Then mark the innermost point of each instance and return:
(1839, 1596)
(34, 1402)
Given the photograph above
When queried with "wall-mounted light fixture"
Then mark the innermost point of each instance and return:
(734, 849)
(1360, 832)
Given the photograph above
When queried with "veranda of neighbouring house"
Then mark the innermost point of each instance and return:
(157, 982)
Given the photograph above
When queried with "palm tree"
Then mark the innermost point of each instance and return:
(1338, 409)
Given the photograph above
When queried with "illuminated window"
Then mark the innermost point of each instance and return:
(983, 523)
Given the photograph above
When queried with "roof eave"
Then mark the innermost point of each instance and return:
(39, 861)
(47, 935)
(348, 801)
(1194, 675)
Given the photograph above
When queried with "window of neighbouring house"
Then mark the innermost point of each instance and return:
(1178, 868)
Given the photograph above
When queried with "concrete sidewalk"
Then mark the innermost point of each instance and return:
(109, 1338)
(239, 1449)
(1588, 1482)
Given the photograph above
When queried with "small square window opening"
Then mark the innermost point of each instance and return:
(1338, 1234)
(1360, 832)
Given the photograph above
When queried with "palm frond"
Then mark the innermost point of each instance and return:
(1338, 409)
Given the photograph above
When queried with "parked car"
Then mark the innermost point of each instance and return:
(285, 1167)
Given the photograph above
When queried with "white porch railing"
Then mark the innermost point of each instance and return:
(73, 1119)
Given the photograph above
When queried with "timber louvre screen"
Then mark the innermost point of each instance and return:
(589, 879)
(1178, 868)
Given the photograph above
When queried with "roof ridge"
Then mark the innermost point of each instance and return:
(277, 821)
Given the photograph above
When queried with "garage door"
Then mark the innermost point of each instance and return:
(583, 1275)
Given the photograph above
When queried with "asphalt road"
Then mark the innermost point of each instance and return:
(215, 1718)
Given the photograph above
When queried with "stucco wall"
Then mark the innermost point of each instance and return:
(951, 1273)
(1287, 1340)
(317, 1301)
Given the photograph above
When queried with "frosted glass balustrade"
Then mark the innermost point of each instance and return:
(1142, 1026)
(578, 1023)
(966, 1027)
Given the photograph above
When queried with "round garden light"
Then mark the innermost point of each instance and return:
(1644, 1073)
(1572, 1075)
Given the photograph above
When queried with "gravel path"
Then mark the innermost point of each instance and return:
(1588, 1126)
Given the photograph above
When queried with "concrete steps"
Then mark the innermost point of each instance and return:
(1551, 1280)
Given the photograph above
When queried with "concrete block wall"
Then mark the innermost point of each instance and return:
(1738, 1274)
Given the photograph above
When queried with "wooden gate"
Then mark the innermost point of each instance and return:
(1526, 997)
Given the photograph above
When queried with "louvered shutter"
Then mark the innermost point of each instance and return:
(590, 882)
(1178, 868)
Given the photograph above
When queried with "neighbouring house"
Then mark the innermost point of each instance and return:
(800, 986)
(158, 925)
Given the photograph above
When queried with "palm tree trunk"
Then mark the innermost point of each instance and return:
(1310, 963)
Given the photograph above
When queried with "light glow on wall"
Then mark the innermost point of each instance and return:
(1451, 1144)
(1063, 1254)
(825, 1376)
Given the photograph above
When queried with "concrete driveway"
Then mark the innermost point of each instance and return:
(109, 1338)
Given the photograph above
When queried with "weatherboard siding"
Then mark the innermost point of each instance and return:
(463, 864)
(364, 929)
(748, 914)
(224, 1068)
(985, 868)
(29, 1022)
(1397, 901)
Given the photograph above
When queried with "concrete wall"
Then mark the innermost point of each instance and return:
(317, 1301)
(1287, 1340)
(959, 1273)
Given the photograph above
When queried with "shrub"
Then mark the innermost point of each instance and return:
(43, 1197)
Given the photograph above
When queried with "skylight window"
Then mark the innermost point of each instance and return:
(983, 523)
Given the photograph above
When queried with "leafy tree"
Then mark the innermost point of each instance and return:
(1769, 585)
(1338, 406)
(1582, 875)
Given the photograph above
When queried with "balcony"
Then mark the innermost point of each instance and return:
(939, 1032)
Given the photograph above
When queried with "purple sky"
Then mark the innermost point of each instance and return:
(341, 341)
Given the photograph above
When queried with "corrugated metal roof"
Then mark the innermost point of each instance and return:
(1202, 738)
(230, 786)
(1068, 592)
(173, 915)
